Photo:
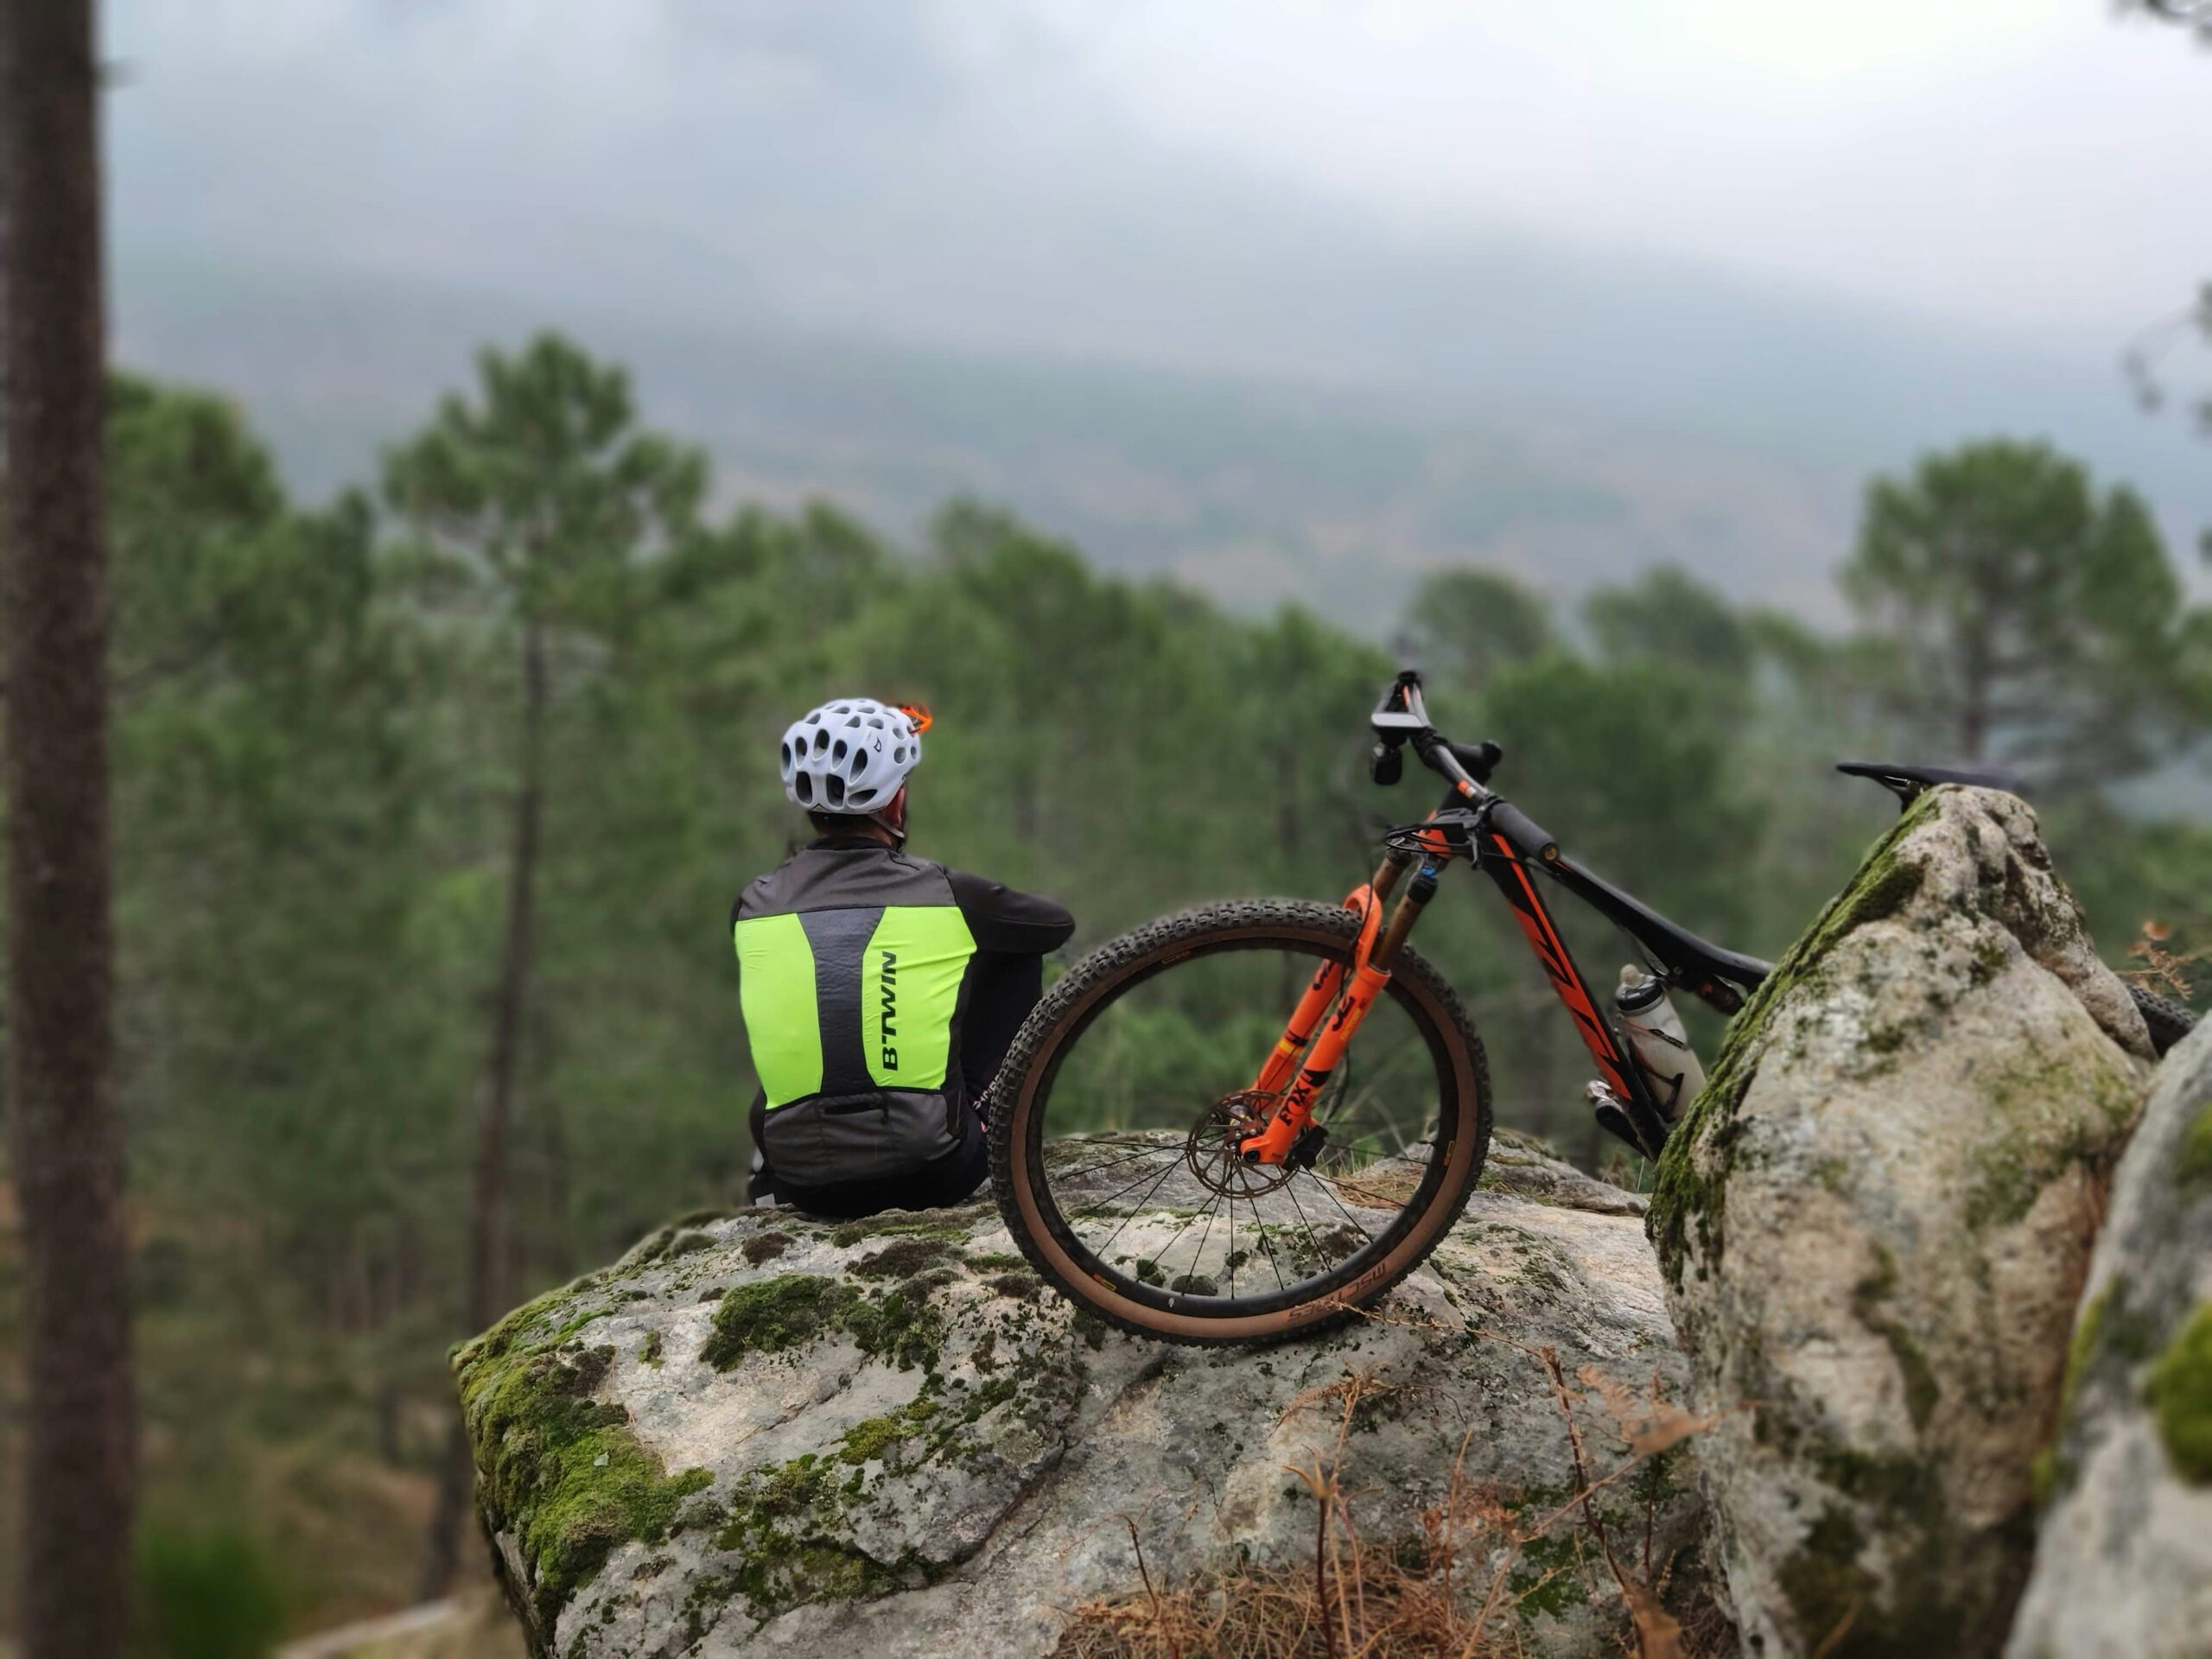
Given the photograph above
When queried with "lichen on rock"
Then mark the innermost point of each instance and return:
(562, 1463)
(2124, 1562)
(2180, 1390)
(769, 1315)
(895, 1440)
(1874, 1221)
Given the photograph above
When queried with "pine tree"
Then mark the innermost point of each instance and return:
(67, 1135)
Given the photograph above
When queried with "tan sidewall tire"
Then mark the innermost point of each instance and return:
(1108, 969)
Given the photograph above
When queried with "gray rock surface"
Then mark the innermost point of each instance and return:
(2123, 1567)
(762, 1433)
(1875, 1225)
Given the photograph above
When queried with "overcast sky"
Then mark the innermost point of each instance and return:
(1816, 236)
(2016, 164)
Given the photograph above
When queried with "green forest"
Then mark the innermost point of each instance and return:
(430, 803)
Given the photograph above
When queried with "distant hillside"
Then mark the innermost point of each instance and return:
(1334, 496)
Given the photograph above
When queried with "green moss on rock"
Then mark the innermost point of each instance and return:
(903, 1258)
(770, 1315)
(2083, 1347)
(780, 1525)
(1828, 1589)
(576, 1322)
(948, 1224)
(2052, 1471)
(1870, 1301)
(1548, 1579)
(2014, 1165)
(1899, 1487)
(903, 1326)
(765, 1247)
(1688, 1192)
(2181, 1396)
(874, 1437)
(2193, 1163)
(558, 1471)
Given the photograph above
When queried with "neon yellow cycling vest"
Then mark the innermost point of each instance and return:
(851, 966)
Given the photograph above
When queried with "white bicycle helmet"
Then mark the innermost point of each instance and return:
(851, 755)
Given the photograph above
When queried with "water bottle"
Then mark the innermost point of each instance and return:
(1655, 1035)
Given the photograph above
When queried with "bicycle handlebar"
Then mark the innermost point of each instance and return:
(1402, 717)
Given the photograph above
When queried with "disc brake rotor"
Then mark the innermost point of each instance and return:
(1214, 1147)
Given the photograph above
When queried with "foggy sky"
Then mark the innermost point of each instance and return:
(1061, 171)
(1792, 241)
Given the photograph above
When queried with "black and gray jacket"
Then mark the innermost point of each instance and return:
(855, 963)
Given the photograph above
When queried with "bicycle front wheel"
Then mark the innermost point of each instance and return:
(1117, 1121)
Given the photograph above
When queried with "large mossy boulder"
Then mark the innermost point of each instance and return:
(1874, 1225)
(759, 1432)
(2124, 1566)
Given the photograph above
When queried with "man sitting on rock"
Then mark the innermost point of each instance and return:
(880, 992)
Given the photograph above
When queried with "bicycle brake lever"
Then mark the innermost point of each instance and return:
(1461, 828)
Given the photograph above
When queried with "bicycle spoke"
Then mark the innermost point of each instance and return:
(1175, 1157)
(1144, 1116)
(1367, 1197)
(1232, 1246)
(1138, 1205)
(1339, 1137)
(1160, 1255)
(1199, 1251)
(1382, 1125)
(1110, 1163)
(1266, 1243)
(1329, 1186)
(1290, 1192)
(1374, 1083)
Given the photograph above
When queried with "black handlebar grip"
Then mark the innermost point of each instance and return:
(1529, 838)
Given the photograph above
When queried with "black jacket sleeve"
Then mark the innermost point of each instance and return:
(1005, 919)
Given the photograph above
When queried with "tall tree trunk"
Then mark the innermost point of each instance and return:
(487, 1215)
(80, 1452)
(560, 1258)
(1977, 653)
(495, 1112)
(1973, 701)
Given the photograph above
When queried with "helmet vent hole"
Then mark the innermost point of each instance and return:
(837, 750)
(821, 741)
(899, 755)
(859, 797)
(804, 785)
(833, 790)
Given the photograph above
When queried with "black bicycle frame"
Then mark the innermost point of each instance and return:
(1504, 844)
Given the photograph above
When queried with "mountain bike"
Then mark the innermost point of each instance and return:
(1184, 1163)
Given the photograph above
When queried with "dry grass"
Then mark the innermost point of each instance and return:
(1447, 1592)
(2169, 972)
(1381, 1185)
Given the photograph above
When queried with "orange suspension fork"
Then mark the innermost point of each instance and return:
(1296, 1072)
(1328, 980)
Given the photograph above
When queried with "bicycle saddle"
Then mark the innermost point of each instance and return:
(1907, 783)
